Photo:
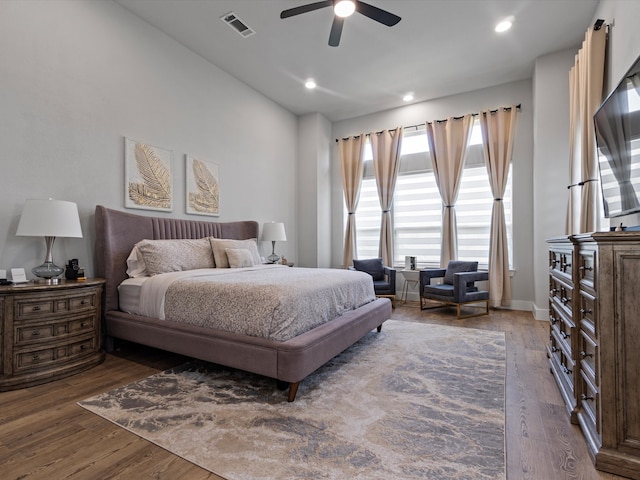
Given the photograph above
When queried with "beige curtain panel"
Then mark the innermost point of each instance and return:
(586, 83)
(448, 140)
(498, 131)
(351, 161)
(386, 146)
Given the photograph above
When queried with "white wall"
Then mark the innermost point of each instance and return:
(314, 188)
(471, 102)
(550, 163)
(78, 76)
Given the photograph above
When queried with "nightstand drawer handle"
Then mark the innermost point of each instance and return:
(83, 347)
(585, 397)
(83, 324)
(35, 358)
(35, 333)
(36, 308)
(83, 302)
(585, 354)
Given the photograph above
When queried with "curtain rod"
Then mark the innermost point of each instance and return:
(506, 109)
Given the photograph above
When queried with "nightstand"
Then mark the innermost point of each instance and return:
(49, 332)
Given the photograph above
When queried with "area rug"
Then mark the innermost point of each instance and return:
(414, 401)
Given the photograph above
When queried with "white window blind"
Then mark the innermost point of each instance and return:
(417, 208)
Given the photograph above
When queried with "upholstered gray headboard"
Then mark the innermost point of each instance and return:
(117, 232)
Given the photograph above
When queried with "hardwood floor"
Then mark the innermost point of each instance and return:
(45, 435)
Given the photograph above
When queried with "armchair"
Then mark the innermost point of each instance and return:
(457, 288)
(384, 278)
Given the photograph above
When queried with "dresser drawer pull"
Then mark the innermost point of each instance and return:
(589, 269)
(554, 349)
(35, 358)
(565, 265)
(83, 347)
(583, 311)
(564, 335)
(553, 320)
(35, 333)
(566, 370)
(585, 397)
(585, 354)
(36, 308)
(83, 302)
(565, 300)
(553, 291)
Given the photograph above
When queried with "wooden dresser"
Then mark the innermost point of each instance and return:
(49, 331)
(594, 347)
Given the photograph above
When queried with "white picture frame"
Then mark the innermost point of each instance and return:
(202, 187)
(148, 182)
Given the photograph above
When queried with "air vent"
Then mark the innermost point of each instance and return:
(238, 25)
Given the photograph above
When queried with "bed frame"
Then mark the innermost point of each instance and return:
(288, 362)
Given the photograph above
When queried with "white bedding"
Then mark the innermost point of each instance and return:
(269, 301)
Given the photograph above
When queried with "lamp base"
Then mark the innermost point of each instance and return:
(47, 272)
(273, 258)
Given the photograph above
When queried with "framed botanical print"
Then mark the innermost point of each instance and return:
(203, 187)
(148, 177)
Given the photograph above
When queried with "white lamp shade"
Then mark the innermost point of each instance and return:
(49, 218)
(273, 232)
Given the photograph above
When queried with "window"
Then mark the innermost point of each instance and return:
(417, 208)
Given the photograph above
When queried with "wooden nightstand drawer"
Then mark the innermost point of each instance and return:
(82, 302)
(40, 357)
(33, 308)
(36, 332)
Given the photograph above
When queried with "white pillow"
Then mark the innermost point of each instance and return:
(239, 257)
(219, 245)
(161, 256)
(135, 264)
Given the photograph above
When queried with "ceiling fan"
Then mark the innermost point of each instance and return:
(343, 9)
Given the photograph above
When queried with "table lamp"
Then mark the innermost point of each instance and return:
(49, 219)
(273, 232)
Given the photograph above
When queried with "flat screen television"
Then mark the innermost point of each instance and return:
(617, 126)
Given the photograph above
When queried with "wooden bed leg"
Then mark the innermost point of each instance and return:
(379, 328)
(293, 389)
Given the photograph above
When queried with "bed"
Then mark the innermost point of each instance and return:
(288, 361)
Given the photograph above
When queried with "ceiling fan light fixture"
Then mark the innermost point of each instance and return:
(344, 8)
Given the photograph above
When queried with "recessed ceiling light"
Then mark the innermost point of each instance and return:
(504, 25)
(310, 84)
(344, 8)
(408, 97)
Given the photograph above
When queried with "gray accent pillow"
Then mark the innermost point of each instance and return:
(373, 266)
(162, 256)
(458, 266)
(219, 245)
(239, 257)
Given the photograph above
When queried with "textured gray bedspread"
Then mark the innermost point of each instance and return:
(272, 303)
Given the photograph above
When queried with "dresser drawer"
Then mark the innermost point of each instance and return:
(33, 332)
(588, 356)
(561, 294)
(561, 327)
(51, 356)
(560, 262)
(590, 403)
(587, 267)
(562, 357)
(587, 314)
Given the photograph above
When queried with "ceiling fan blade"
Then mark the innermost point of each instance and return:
(377, 14)
(305, 8)
(336, 31)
